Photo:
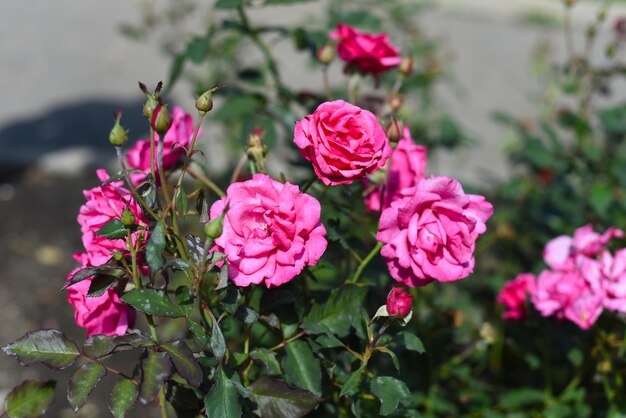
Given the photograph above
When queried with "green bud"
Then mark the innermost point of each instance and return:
(118, 135)
(406, 66)
(204, 103)
(127, 218)
(213, 229)
(161, 119)
(395, 131)
(117, 256)
(326, 54)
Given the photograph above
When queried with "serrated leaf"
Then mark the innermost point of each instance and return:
(247, 315)
(353, 382)
(302, 368)
(30, 399)
(80, 275)
(410, 341)
(184, 361)
(181, 202)
(123, 397)
(101, 345)
(82, 382)
(274, 398)
(327, 339)
(218, 344)
(268, 359)
(339, 311)
(390, 391)
(155, 247)
(99, 284)
(179, 264)
(155, 368)
(201, 336)
(196, 248)
(152, 302)
(184, 299)
(222, 400)
(47, 346)
(113, 230)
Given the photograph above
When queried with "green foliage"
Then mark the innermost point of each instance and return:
(113, 230)
(83, 381)
(30, 399)
(302, 369)
(153, 302)
(155, 247)
(276, 399)
(390, 391)
(155, 368)
(123, 397)
(49, 347)
(222, 399)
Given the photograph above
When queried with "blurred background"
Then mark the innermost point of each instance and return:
(65, 66)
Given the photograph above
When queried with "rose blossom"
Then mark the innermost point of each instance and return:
(513, 296)
(100, 315)
(105, 203)
(406, 167)
(430, 232)
(614, 280)
(399, 302)
(178, 136)
(370, 53)
(343, 142)
(271, 231)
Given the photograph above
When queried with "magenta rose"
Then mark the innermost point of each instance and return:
(343, 142)
(430, 232)
(271, 231)
(105, 203)
(614, 280)
(176, 139)
(100, 315)
(369, 53)
(405, 168)
(513, 296)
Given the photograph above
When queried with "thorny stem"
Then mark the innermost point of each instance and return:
(159, 164)
(110, 369)
(133, 191)
(366, 261)
(287, 341)
(327, 89)
(206, 181)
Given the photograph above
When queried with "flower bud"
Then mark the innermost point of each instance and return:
(394, 131)
(399, 302)
(118, 135)
(118, 256)
(406, 66)
(213, 229)
(161, 119)
(127, 219)
(256, 150)
(326, 54)
(204, 103)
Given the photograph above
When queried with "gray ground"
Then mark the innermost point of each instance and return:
(64, 67)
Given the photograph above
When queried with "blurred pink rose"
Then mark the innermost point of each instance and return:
(105, 203)
(271, 231)
(430, 232)
(101, 315)
(406, 167)
(513, 296)
(614, 280)
(343, 142)
(369, 53)
(178, 136)
(399, 302)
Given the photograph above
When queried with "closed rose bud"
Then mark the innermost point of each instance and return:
(204, 103)
(118, 135)
(399, 302)
(161, 119)
(406, 66)
(394, 131)
(214, 228)
(127, 219)
(395, 102)
(326, 54)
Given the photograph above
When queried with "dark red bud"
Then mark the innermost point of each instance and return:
(399, 302)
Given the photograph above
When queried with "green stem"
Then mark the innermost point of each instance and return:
(327, 89)
(252, 167)
(206, 181)
(366, 261)
(133, 191)
(309, 184)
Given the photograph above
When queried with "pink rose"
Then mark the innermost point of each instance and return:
(431, 230)
(105, 203)
(399, 302)
(614, 280)
(561, 251)
(101, 315)
(271, 231)
(369, 53)
(513, 296)
(407, 167)
(343, 142)
(178, 136)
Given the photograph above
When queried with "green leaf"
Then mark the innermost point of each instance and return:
(277, 400)
(236, 108)
(198, 49)
(102, 345)
(520, 398)
(268, 359)
(184, 299)
(327, 339)
(184, 361)
(123, 397)
(391, 354)
(222, 401)
(353, 382)
(80, 275)
(47, 346)
(410, 342)
(201, 336)
(390, 391)
(152, 302)
(218, 344)
(302, 368)
(180, 199)
(155, 247)
(600, 198)
(155, 368)
(83, 381)
(247, 315)
(113, 230)
(29, 399)
(229, 4)
(176, 69)
(339, 310)
(99, 284)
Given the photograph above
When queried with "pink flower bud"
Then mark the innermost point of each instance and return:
(161, 119)
(326, 54)
(399, 302)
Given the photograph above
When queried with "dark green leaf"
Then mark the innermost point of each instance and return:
(201, 336)
(29, 399)
(268, 359)
(155, 247)
(123, 397)
(184, 361)
(155, 368)
(600, 198)
(410, 341)
(180, 199)
(247, 315)
(179, 264)
(228, 4)
(99, 284)
(148, 190)
(83, 381)
(277, 400)
(222, 401)
(390, 391)
(184, 298)
(302, 368)
(339, 310)
(520, 398)
(198, 49)
(218, 344)
(152, 302)
(101, 345)
(353, 382)
(80, 275)
(113, 230)
(47, 346)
